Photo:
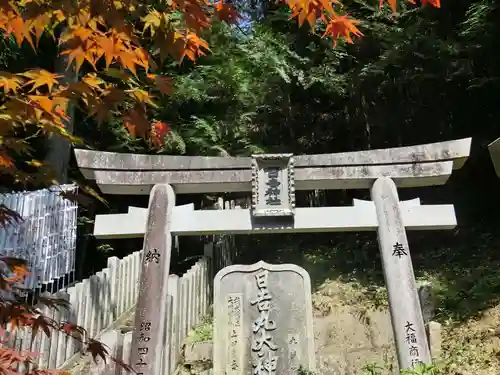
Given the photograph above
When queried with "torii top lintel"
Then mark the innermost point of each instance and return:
(410, 166)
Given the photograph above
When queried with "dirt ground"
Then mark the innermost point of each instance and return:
(468, 348)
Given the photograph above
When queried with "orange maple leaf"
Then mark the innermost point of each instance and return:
(311, 10)
(136, 122)
(60, 105)
(41, 104)
(193, 12)
(13, 23)
(108, 47)
(92, 80)
(79, 32)
(163, 83)
(392, 4)
(434, 3)
(5, 160)
(117, 46)
(155, 20)
(142, 58)
(342, 26)
(190, 46)
(102, 105)
(128, 60)
(49, 111)
(226, 12)
(80, 45)
(20, 272)
(10, 82)
(40, 77)
(78, 54)
(141, 96)
(163, 42)
(39, 24)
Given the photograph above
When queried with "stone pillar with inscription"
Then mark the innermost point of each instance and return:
(404, 304)
(149, 333)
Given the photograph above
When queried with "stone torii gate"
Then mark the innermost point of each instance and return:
(273, 180)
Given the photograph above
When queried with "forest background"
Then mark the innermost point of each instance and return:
(423, 74)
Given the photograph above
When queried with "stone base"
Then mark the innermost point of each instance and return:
(353, 351)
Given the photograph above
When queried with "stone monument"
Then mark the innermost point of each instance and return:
(263, 320)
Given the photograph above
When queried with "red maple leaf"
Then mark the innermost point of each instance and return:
(96, 348)
(158, 131)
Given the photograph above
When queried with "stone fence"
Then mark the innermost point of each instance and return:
(105, 300)
(189, 299)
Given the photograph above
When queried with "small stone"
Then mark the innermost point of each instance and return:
(126, 329)
(435, 339)
(198, 352)
(200, 367)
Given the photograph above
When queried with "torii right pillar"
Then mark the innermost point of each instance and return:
(404, 305)
(494, 149)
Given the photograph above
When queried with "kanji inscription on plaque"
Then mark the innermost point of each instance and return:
(273, 186)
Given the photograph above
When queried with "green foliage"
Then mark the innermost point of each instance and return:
(105, 248)
(8, 50)
(276, 87)
(202, 332)
(375, 369)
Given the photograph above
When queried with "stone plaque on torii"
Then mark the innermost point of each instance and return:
(273, 179)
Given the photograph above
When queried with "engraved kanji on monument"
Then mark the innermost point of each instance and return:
(273, 185)
(263, 320)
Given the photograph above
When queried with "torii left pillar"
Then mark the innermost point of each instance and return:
(148, 337)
